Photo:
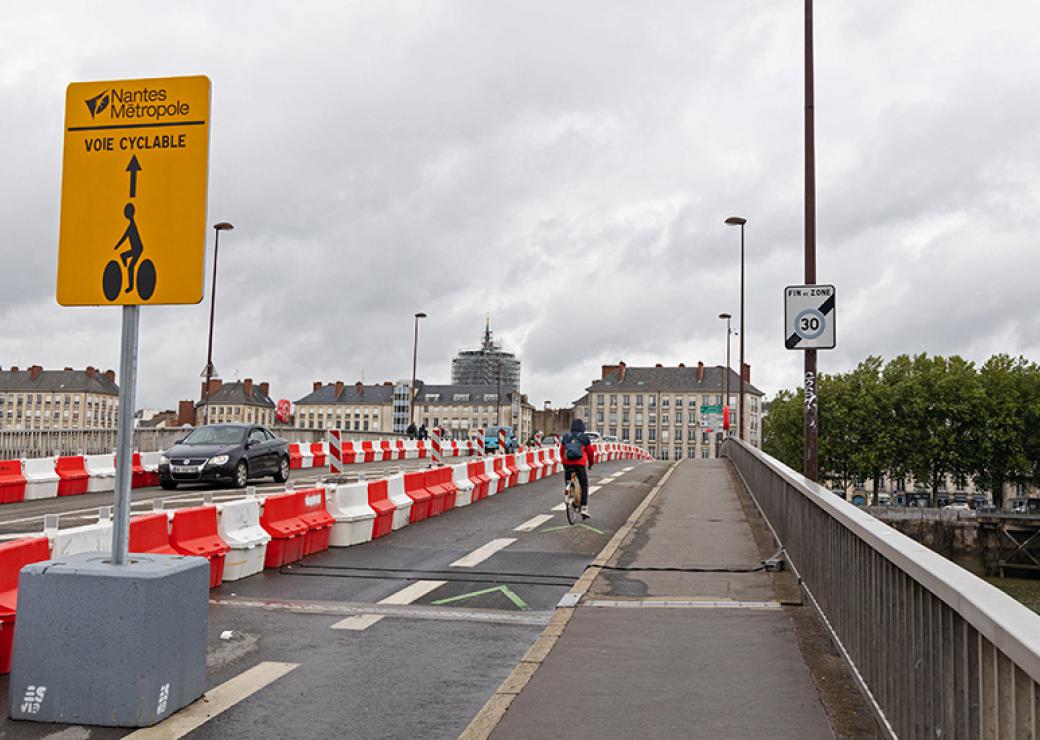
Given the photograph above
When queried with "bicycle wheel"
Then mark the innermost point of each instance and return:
(146, 280)
(572, 511)
(112, 280)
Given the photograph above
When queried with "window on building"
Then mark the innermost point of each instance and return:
(652, 402)
(639, 401)
(599, 400)
(613, 400)
(624, 435)
(653, 419)
(652, 435)
(678, 402)
(678, 418)
(625, 399)
(664, 453)
(664, 418)
(624, 417)
(678, 453)
(678, 435)
(704, 453)
(664, 402)
(639, 435)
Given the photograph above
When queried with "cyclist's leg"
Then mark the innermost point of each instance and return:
(583, 480)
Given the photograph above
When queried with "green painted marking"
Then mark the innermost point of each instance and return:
(506, 591)
(569, 526)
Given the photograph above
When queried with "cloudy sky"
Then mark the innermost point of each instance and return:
(566, 167)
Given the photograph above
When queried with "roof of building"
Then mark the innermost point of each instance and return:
(462, 393)
(638, 379)
(60, 381)
(234, 394)
(326, 395)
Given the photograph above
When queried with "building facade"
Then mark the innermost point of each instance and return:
(462, 409)
(38, 399)
(489, 365)
(239, 402)
(358, 407)
(672, 412)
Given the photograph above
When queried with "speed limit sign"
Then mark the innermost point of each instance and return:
(809, 317)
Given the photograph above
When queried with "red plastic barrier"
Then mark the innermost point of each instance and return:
(513, 470)
(318, 451)
(389, 453)
(141, 478)
(12, 482)
(288, 532)
(194, 532)
(439, 483)
(503, 474)
(150, 533)
(424, 448)
(72, 476)
(369, 451)
(399, 450)
(295, 458)
(379, 500)
(14, 556)
(350, 453)
(480, 479)
(310, 504)
(415, 488)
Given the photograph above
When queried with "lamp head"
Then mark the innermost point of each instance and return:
(736, 221)
(725, 316)
(223, 226)
(420, 315)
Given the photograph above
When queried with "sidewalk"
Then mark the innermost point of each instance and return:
(721, 661)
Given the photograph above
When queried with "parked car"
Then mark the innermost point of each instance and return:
(491, 439)
(225, 453)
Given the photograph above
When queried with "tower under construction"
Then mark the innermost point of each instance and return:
(489, 365)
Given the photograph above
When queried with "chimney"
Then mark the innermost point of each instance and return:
(14, 368)
(747, 373)
(658, 365)
(68, 370)
(607, 370)
(214, 385)
(700, 372)
(621, 371)
(682, 364)
(185, 413)
(389, 383)
(317, 385)
(111, 375)
(35, 370)
(265, 388)
(360, 388)
(339, 388)
(247, 386)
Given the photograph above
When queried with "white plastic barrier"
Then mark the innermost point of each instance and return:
(239, 526)
(74, 540)
(150, 462)
(400, 499)
(524, 472)
(465, 495)
(348, 505)
(102, 472)
(306, 456)
(411, 450)
(489, 470)
(41, 481)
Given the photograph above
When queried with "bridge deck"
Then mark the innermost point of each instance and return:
(721, 661)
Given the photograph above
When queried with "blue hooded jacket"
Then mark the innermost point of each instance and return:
(577, 432)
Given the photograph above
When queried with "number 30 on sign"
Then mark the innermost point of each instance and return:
(809, 317)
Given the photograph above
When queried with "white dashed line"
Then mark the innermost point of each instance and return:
(481, 554)
(533, 523)
(406, 595)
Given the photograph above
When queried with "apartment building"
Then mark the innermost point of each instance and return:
(238, 402)
(459, 409)
(38, 399)
(672, 412)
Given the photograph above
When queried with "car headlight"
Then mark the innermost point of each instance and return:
(218, 460)
(163, 460)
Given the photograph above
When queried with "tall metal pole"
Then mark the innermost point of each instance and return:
(217, 228)
(725, 378)
(811, 466)
(498, 394)
(740, 399)
(125, 434)
(415, 354)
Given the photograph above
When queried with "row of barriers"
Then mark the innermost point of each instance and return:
(49, 477)
(243, 537)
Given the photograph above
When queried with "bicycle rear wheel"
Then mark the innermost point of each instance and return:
(572, 510)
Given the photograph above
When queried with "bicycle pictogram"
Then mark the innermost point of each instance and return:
(140, 276)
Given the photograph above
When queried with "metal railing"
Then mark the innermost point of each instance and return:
(937, 651)
(44, 443)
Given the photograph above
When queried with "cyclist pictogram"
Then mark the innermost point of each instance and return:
(143, 276)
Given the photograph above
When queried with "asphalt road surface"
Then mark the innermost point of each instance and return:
(407, 636)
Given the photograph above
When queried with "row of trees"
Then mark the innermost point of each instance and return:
(923, 417)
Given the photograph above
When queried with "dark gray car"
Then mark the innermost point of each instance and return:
(225, 453)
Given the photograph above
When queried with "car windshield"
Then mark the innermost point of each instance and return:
(216, 436)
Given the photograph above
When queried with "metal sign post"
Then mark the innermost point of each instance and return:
(125, 434)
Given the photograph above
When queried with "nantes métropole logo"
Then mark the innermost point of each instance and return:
(98, 103)
(144, 103)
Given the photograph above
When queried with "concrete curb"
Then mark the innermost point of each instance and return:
(481, 727)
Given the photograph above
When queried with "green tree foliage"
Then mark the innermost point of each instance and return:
(926, 417)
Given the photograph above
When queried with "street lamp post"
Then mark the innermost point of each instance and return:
(729, 331)
(498, 394)
(738, 221)
(811, 461)
(415, 354)
(217, 228)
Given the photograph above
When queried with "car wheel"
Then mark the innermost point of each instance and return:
(241, 474)
(168, 485)
(283, 471)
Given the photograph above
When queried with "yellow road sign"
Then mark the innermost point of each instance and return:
(133, 192)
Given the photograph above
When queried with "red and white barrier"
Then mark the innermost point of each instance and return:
(460, 476)
(102, 472)
(435, 446)
(239, 526)
(480, 442)
(335, 452)
(41, 481)
(401, 501)
(74, 540)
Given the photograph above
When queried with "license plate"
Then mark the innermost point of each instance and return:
(184, 469)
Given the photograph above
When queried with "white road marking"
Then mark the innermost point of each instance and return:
(625, 470)
(533, 523)
(481, 554)
(560, 507)
(605, 481)
(215, 701)
(593, 489)
(406, 595)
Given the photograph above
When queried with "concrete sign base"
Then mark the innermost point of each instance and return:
(99, 644)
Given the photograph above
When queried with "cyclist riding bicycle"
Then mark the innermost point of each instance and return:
(576, 453)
